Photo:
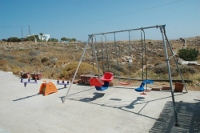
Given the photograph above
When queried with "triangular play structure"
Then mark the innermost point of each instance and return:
(47, 88)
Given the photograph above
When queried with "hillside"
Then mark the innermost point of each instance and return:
(54, 60)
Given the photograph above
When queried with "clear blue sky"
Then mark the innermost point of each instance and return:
(78, 18)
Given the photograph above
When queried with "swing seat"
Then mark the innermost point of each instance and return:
(108, 76)
(104, 87)
(94, 81)
(99, 85)
(124, 83)
(141, 88)
(148, 81)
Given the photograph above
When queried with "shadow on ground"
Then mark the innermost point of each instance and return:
(188, 119)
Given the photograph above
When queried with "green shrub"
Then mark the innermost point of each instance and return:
(13, 39)
(53, 40)
(31, 38)
(188, 54)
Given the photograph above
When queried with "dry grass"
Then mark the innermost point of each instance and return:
(55, 60)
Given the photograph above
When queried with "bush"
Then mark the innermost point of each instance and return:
(34, 53)
(44, 59)
(53, 40)
(13, 39)
(162, 69)
(188, 54)
(3, 63)
(31, 38)
(188, 69)
(84, 68)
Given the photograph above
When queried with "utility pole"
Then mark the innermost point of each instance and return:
(29, 30)
(22, 32)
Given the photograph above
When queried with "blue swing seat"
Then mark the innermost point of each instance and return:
(148, 81)
(141, 88)
(104, 87)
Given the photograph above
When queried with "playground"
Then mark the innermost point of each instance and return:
(99, 105)
(87, 110)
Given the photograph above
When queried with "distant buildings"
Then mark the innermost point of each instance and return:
(44, 37)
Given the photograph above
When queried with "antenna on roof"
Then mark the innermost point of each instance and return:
(29, 30)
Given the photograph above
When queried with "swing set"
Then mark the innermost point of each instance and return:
(117, 48)
(102, 83)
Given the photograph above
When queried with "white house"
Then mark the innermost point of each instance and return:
(44, 37)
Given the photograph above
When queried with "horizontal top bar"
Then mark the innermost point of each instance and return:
(142, 28)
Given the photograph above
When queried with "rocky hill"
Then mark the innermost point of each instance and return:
(55, 60)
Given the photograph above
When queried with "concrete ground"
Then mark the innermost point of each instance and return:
(116, 110)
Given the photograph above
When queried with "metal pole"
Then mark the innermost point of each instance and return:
(169, 73)
(93, 48)
(157, 26)
(102, 55)
(116, 54)
(107, 51)
(76, 70)
(22, 32)
(142, 56)
(145, 54)
(176, 62)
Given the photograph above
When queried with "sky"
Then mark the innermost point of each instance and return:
(79, 18)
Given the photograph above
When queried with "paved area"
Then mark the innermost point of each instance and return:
(116, 110)
(188, 119)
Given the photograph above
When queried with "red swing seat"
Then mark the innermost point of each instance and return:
(108, 76)
(124, 83)
(94, 81)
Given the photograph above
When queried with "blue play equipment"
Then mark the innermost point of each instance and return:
(141, 88)
(63, 83)
(103, 83)
(104, 87)
(28, 81)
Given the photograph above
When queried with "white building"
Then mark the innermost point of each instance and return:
(44, 37)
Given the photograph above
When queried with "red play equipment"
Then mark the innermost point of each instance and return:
(103, 83)
(95, 81)
(108, 76)
(124, 83)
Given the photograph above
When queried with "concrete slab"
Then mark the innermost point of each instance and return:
(85, 110)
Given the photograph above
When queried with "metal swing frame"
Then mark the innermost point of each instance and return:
(117, 55)
(165, 44)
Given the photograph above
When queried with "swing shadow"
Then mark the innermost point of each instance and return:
(189, 118)
(96, 96)
(22, 98)
(121, 108)
(130, 106)
(62, 97)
